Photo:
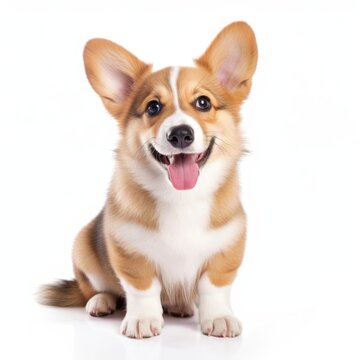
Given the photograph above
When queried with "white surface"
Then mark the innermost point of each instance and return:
(297, 293)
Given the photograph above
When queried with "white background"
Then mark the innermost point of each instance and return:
(297, 292)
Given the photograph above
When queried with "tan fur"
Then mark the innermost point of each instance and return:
(88, 260)
(226, 206)
(131, 202)
(101, 55)
(132, 266)
(222, 267)
(234, 36)
(99, 254)
(64, 293)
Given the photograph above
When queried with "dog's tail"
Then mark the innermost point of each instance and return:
(63, 293)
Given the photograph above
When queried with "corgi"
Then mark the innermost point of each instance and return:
(172, 232)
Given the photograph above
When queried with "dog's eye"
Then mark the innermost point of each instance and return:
(202, 103)
(153, 107)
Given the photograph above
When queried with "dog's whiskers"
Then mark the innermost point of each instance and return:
(218, 137)
(222, 148)
(140, 153)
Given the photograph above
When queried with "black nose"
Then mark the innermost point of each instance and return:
(181, 136)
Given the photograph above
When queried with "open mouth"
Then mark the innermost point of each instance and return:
(183, 169)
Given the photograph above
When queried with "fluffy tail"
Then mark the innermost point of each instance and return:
(64, 293)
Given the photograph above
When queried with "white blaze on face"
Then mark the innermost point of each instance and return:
(174, 73)
(183, 170)
(178, 118)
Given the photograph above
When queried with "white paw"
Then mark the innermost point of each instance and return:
(141, 328)
(101, 304)
(227, 326)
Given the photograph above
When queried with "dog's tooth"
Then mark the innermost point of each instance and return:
(171, 158)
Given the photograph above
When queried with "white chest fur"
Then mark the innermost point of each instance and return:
(183, 241)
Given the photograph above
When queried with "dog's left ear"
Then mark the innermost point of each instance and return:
(232, 56)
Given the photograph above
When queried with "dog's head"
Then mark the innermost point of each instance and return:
(177, 122)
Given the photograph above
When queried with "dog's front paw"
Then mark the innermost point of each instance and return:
(134, 327)
(227, 326)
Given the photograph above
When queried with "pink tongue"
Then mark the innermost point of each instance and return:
(184, 171)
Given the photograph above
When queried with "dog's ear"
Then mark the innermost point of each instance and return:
(112, 72)
(232, 56)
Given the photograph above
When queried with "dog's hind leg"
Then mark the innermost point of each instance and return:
(95, 277)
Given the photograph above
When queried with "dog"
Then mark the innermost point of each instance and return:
(172, 232)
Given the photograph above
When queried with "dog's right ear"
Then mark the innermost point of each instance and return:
(112, 72)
